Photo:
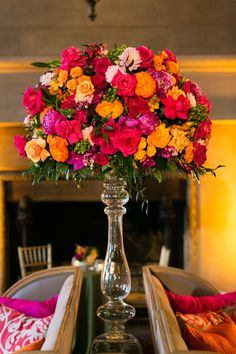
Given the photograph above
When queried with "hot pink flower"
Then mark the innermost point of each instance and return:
(33, 100)
(50, 119)
(126, 84)
(72, 57)
(204, 102)
(147, 123)
(146, 56)
(148, 162)
(192, 87)
(203, 130)
(76, 160)
(20, 142)
(126, 140)
(199, 153)
(176, 108)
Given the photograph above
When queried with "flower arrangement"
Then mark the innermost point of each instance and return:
(86, 254)
(128, 110)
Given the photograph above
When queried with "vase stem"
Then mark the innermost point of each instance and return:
(115, 278)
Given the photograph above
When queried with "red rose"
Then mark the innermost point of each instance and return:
(146, 56)
(101, 159)
(101, 66)
(20, 142)
(199, 153)
(33, 100)
(203, 131)
(136, 106)
(126, 140)
(126, 84)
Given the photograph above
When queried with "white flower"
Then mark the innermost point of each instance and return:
(27, 120)
(111, 72)
(191, 99)
(130, 58)
(46, 79)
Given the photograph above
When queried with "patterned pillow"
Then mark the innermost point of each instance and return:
(17, 330)
(208, 331)
(194, 304)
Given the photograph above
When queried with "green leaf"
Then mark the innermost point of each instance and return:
(108, 127)
(158, 175)
(41, 64)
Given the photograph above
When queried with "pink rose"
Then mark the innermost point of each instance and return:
(70, 130)
(69, 103)
(146, 56)
(126, 140)
(72, 57)
(80, 115)
(203, 130)
(20, 142)
(50, 119)
(33, 100)
(199, 153)
(136, 105)
(126, 84)
(100, 159)
(99, 81)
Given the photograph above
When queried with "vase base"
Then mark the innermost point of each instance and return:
(128, 344)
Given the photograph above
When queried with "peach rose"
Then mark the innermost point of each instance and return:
(35, 150)
(146, 85)
(58, 148)
(62, 77)
(71, 85)
(85, 89)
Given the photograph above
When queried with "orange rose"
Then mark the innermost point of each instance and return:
(85, 89)
(71, 85)
(146, 85)
(160, 137)
(35, 150)
(58, 148)
(77, 71)
(104, 108)
(117, 109)
(172, 67)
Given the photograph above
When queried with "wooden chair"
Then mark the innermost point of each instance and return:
(34, 258)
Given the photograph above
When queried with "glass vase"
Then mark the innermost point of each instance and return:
(115, 277)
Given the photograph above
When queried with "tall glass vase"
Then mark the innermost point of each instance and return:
(115, 277)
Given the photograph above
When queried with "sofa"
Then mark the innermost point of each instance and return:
(166, 335)
(65, 281)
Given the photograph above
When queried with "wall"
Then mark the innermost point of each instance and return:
(194, 30)
(217, 210)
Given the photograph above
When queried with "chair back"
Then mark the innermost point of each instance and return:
(34, 258)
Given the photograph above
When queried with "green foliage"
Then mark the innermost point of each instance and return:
(50, 64)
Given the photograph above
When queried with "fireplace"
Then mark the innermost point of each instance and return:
(63, 216)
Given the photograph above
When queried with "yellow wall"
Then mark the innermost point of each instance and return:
(217, 232)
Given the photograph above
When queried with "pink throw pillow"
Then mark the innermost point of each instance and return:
(18, 330)
(37, 309)
(194, 304)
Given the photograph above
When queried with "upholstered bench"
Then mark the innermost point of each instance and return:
(41, 285)
(166, 334)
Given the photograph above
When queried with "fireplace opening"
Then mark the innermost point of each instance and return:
(63, 224)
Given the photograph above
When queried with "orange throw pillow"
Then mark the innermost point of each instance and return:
(37, 345)
(208, 331)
